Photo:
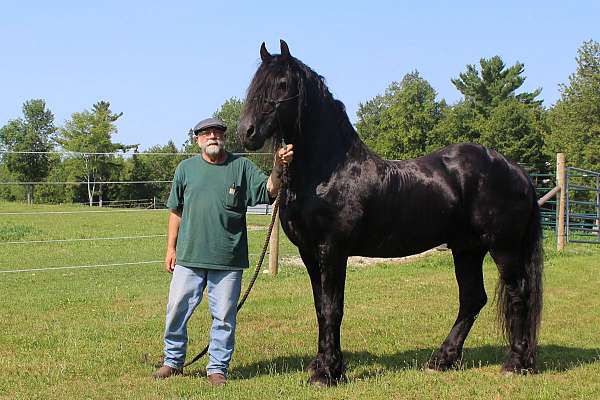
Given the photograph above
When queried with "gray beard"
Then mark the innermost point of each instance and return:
(212, 151)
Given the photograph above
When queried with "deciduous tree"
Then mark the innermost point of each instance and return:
(575, 119)
(90, 132)
(398, 124)
(30, 140)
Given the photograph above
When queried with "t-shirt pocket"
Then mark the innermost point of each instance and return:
(233, 199)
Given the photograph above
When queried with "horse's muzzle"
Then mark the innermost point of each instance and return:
(250, 138)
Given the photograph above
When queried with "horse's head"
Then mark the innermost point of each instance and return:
(272, 105)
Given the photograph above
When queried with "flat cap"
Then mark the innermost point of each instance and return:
(209, 123)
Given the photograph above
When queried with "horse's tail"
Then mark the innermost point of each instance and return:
(533, 263)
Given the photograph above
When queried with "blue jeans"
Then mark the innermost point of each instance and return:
(185, 293)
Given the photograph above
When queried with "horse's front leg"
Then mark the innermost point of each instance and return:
(312, 267)
(329, 366)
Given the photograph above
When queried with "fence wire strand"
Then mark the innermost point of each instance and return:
(81, 239)
(80, 266)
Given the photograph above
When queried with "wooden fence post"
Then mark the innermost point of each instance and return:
(561, 178)
(274, 248)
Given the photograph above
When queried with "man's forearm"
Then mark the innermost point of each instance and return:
(173, 229)
(274, 181)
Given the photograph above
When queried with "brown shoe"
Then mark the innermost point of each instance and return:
(166, 372)
(217, 379)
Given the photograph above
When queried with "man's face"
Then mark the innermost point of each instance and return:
(211, 141)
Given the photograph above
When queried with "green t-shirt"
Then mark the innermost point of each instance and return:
(213, 199)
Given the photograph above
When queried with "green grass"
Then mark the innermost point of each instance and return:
(94, 333)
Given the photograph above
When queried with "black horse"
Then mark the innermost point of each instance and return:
(340, 199)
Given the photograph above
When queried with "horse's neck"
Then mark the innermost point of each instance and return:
(323, 147)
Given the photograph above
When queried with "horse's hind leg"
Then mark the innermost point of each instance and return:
(469, 276)
(514, 307)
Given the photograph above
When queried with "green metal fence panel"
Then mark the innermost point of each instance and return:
(582, 206)
(543, 183)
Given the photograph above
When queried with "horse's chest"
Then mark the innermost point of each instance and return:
(292, 223)
(307, 220)
(298, 216)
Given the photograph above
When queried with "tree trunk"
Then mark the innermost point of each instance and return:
(29, 190)
(91, 189)
(100, 195)
(88, 175)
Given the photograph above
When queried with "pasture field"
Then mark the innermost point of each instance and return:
(94, 333)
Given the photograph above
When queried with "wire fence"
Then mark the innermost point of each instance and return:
(126, 153)
(80, 239)
(119, 204)
(107, 211)
(121, 179)
(79, 267)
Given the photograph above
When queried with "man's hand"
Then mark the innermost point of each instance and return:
(172, 231)
(170, 260)
(284, 155)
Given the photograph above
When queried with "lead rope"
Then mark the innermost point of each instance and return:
(258, 265)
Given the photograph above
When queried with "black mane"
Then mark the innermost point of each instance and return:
(313, 94)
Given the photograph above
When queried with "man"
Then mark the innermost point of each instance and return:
(207, 243)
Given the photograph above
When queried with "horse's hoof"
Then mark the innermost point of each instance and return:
(437, 366)
(511, 371)
(312, 367)
(320, 380)
(507, 373)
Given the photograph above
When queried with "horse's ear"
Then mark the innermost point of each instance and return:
(264, 53)
(285, 51)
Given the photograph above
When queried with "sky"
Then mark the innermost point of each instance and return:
(167, 65)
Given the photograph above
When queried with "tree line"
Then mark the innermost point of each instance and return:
(406, 121)
(492, 113)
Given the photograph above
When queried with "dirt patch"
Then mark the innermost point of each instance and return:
(252, 227)
(366, 261)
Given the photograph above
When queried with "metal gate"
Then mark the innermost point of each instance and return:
(582, 206)
(544, 183)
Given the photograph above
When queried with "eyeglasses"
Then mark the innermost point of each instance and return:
(208, 131)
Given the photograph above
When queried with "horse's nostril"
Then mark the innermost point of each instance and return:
(250, 131)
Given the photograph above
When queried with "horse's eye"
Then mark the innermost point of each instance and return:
(282, 85)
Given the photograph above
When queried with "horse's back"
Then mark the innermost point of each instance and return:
(495, 195)
(463, 195)
(499, 196)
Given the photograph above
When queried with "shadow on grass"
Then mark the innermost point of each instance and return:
(551, 358)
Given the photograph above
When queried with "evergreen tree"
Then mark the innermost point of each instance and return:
(493, 114)
(494, 84)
